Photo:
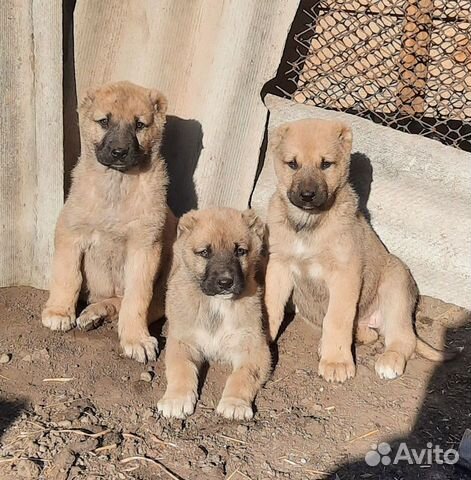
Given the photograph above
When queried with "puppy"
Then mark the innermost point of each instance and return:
(113, 236)
(321, 247)
(214, 311)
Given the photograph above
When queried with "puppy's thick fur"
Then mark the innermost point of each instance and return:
(115, 227)
(323, 248)
(214, 309)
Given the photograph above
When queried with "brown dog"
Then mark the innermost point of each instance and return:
(214, 309)
(115, 226)
(323, 248)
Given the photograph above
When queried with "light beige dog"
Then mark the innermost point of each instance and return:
(323, 248)
(214, 309)
(113, 237)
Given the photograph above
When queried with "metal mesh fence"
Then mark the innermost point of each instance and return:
(402, 63)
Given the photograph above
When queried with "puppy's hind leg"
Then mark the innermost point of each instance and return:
(364, 335)
(397, 295)
(244, 383)
(96, 313)
(181, 368)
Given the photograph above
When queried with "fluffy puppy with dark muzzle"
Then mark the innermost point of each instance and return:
(214, 310)
(113, 237)
(324, 252)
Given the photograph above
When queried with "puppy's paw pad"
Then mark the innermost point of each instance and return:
(58, 320)
(144, 349)
(177, 407)
(235, 409)
(336, 371)
(390, 365)
(88, 320)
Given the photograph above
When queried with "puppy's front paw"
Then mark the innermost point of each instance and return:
(334, 370)
(235, 409)
(58, 319)
(142, 348)
(177, 406)
(390, 365)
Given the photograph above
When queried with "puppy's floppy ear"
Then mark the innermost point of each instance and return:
(345, 136)
(187, 222)
(87, 99)
(277, 135)
(254, 223)
(159, 100)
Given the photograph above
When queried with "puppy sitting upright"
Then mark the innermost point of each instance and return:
(214, 311)
(113, 236)
(324, 249)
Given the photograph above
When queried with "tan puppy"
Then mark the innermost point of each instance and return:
(115, 226)
(214, 311)
(324, 249)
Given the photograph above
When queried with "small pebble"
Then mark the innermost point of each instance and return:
(64, 424)
(148, 413)
(242, 429)
(5, 358)
(146, 376)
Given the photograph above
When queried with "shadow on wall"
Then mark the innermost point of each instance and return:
(361, 178)
(443, 418)
(181, 148)
(71, 143)
(8, 412)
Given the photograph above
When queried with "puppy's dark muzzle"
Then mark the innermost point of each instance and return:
(222, 285)
(308, 199)
(120, 159)
(119, 149)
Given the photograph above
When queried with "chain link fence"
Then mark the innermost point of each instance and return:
(402, 63)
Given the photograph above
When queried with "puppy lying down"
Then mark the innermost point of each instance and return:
(214, 311)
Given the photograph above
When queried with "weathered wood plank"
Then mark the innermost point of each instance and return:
(30, 137)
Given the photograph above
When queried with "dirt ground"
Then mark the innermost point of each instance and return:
(103, 421)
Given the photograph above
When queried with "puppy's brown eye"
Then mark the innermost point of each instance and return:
(293, 164)
(140, 125)
(104, 122)
(240, 251)
(325, 164)
(205, 253)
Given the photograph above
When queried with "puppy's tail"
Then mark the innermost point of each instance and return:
(430, 353)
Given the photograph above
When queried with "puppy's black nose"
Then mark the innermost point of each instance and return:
(308, 196)
(119, 153)
(225, 282)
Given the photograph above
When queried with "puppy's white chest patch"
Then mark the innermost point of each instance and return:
(217, 334)
(305, 261)
(300, 250)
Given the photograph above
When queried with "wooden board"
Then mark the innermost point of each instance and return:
(31, 169)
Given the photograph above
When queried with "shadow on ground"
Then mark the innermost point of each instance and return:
(9, 410)
(443, 418)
